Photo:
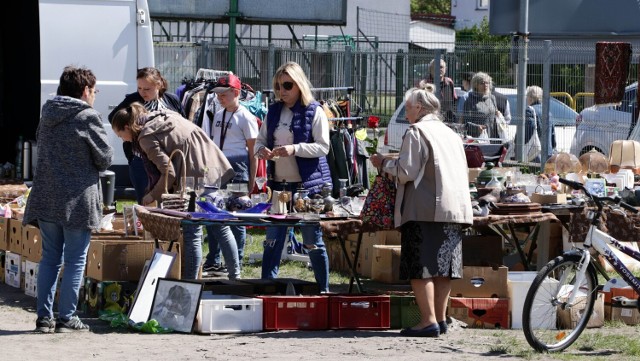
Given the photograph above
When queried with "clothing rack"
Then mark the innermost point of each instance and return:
(211, 74)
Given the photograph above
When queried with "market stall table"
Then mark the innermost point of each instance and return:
(167, 225)
(538, 222)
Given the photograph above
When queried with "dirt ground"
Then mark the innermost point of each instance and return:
(19, 342)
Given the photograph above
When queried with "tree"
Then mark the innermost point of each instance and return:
(431, 6)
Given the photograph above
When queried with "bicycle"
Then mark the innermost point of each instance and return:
(569, 283)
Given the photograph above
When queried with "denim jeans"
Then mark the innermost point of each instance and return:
(227, 244)
(192, 237)
(240, 235)
(312, 240)
(138, 176)
(61, 245)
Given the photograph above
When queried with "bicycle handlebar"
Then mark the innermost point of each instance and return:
(616, 200)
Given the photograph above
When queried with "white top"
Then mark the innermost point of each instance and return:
(240, 126)
(286, 167)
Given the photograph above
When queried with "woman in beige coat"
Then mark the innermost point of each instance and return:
(156, 135)
(432, 207)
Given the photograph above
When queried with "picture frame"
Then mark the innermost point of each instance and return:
(596, 186)
(175, 304)
(159, 267)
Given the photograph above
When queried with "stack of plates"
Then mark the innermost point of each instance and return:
(515, 208)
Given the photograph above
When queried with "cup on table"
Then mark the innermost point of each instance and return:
(356, 204)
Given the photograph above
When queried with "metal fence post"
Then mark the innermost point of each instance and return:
(348, 66)
(546, 94)
(203, 59)
(363, 79)
(399, 77)
(271, 65)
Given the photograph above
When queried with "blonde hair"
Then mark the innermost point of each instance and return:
(129, 116)
(296, 73)
(425, 97)
(534, 92)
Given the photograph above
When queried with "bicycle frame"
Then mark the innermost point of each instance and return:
(604, 244)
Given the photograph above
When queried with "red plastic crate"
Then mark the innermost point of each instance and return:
(359, 312)
(295, 312)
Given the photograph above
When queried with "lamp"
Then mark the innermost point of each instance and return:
(594, 162)
(562, 163)
(624, 154)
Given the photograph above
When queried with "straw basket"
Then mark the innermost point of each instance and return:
(180, 201)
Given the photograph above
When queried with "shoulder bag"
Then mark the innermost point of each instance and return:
(176, 202)
(379, 205)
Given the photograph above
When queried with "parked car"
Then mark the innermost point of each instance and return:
(563, 116)
(598, 126)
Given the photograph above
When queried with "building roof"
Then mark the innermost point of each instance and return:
(436, 19)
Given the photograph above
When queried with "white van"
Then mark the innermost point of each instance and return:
(113, 38)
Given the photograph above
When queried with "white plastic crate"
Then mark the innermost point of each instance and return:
(518, 285)
(229, 314)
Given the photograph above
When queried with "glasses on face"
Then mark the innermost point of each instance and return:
(287, 85)
(96, 91)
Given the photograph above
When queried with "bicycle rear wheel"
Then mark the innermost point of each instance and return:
(547, 299)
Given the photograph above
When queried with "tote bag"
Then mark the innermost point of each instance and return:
(379, 205)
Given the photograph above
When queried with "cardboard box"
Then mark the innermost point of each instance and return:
(31, 243)
(13, 269)
(560, 198)
(337, 260)
(481, 282)
(4, 234)
(107, 296)
(629, 316)
(569, 317)
(482, 251)
(123, 259)
(480, 312)
(392, 237)
(365, 256)
(15, 236)
(386, 264)
(31, 278)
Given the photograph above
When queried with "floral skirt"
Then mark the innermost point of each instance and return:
(431, 249)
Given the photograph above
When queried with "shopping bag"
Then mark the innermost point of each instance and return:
(378, 207)
(502, 126)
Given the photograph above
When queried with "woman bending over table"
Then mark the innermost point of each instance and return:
(156, 135)
(432, 207)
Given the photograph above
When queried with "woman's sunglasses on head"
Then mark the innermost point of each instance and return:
(287, 85)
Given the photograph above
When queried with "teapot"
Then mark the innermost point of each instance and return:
(239, 199)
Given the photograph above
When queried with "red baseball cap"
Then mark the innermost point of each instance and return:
(227, 82)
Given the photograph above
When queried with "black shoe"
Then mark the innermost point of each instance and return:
(432, 330)
(45, 325)
(215, 270)
(443, 327)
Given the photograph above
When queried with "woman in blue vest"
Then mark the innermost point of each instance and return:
(295, 142)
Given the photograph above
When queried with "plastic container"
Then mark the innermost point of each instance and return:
(404, 312)
(358, 312)
(108, 184)
(229, 314)
(518, 284)
(295, 312)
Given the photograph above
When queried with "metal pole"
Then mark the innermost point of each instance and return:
(233, 13)
(348, 66)
(522, 78)
(546, 97)
(436, 74)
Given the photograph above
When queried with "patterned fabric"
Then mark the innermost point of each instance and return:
(379, 206)
(612, 70)
(431, 249)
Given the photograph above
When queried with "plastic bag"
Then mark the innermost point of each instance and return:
(106, 223)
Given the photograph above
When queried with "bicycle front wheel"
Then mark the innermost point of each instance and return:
(549, 322)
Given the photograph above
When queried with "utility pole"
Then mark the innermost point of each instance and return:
(523, 58)
(233, 14)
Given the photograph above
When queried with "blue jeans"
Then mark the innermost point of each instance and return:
(192, 240)
(224, 237)
(138, 176)
(240, 235)
(312, 240)
(60, 246)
